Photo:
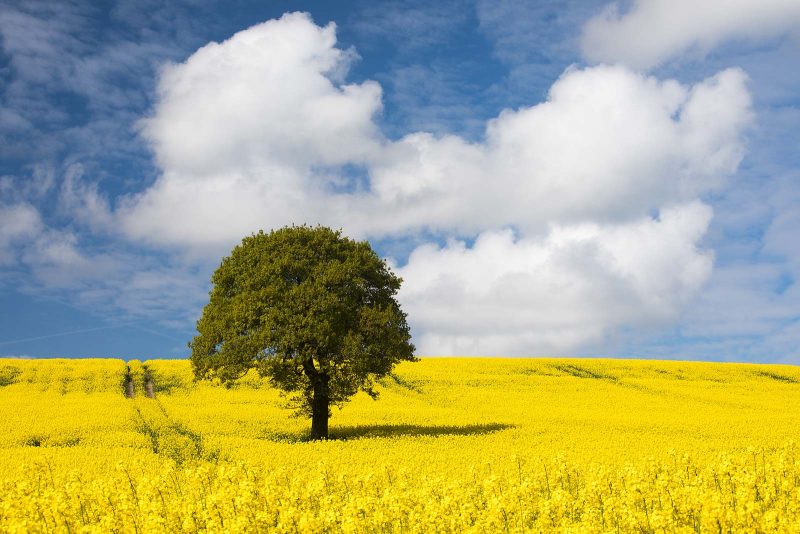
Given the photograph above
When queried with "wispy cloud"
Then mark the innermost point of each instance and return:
(534, 40)
(61, 334)
(78, 79)
(411, 26)
(651, 32)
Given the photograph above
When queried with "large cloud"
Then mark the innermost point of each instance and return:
(240, 127)
(653, 31)
(253, 132)
(261, 131)
(574, 286)
(608, 144)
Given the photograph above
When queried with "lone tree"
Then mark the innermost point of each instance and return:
(313, 311)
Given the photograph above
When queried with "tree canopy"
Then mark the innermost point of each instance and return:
(310, 309)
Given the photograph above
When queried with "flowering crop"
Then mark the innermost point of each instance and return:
(462, 445)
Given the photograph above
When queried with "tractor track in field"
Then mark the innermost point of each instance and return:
(167, 436)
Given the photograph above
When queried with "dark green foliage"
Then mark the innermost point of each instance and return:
(313, 311)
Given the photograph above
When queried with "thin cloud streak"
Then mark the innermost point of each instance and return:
(68, 333)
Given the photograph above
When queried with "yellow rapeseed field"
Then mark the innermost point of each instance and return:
(453, 445)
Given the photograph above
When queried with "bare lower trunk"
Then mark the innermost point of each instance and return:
(319, 409)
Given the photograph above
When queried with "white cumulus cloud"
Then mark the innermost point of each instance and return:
(239, 128)
(509, 295)
(608, 144)
(584, 207)
(651, 32)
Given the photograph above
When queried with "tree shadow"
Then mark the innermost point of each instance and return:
(394, 431)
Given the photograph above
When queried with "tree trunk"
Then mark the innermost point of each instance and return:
(319, 408)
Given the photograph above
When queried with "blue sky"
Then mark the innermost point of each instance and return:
(549, 178)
